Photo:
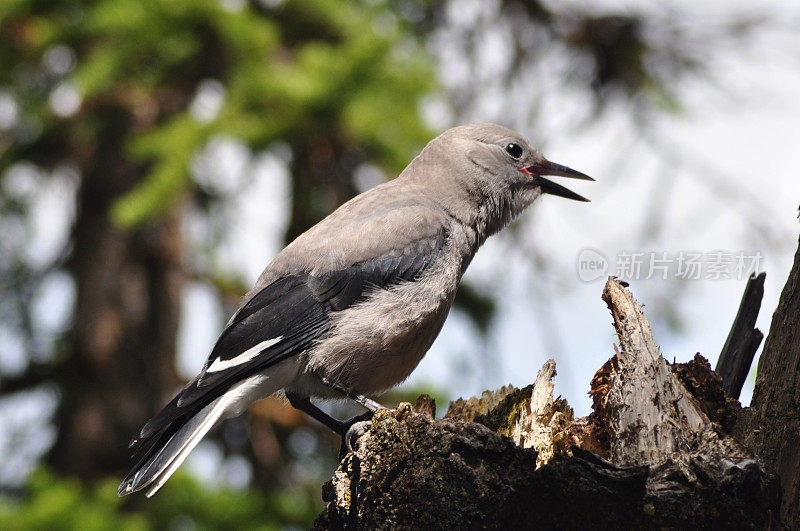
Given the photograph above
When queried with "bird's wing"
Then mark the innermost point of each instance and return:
(388, 219)
(285, 317)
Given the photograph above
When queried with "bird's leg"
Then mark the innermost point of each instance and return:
(303, 403)
(349, 430)
(368, 403)
(358, 425)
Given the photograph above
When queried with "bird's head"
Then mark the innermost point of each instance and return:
(497, 168)
(508, 160)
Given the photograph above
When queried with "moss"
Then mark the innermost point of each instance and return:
(504, 416)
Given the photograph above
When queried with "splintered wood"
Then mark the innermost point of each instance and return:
(648, 457)
(543, 421)
(650, 411)
(643, 415)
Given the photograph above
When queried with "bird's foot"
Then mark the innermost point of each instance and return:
(352, 430)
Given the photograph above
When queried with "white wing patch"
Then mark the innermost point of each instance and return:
(219, 364)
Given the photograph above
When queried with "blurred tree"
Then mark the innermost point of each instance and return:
(65, 503)
(118, 90)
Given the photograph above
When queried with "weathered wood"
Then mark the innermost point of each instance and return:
(507, 459)
(650, 411)
(531, 417)
(706, 387)
(414, 472)
(743, 340)
(772, 426)
(543, 421)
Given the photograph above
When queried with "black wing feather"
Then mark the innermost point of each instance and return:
(296, 308)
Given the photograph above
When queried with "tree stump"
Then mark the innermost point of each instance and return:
(656, 452)
(771, 425)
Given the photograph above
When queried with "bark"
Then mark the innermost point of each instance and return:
(743, 340)
(654, 453)
(126, 318)
(771, 426)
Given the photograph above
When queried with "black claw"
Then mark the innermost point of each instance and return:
(352, 430)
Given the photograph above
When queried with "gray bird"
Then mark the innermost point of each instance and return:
(352, 305)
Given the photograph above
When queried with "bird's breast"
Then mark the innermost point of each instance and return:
(376, 344)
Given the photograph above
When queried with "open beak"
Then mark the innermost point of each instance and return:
(549, 187)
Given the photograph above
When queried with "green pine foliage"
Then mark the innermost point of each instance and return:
(300, 68)
(183, 503)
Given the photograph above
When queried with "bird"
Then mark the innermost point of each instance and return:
(350, 307)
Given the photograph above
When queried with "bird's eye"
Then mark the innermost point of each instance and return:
(514, 150)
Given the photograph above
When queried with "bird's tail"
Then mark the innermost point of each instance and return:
(183, 433)
(155, 471)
